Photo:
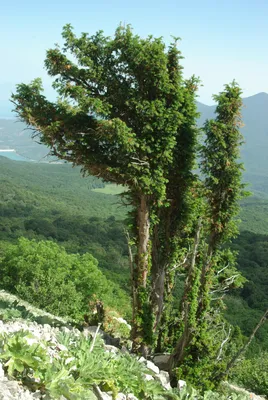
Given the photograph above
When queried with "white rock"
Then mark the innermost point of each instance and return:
(101, 395)
(150, 365)
(2, 374)
(122, 321)
(37, 395)
(142, 360)
(111, 349)
(121, 396)
(163, 377)
(148, 377)
(181, 384)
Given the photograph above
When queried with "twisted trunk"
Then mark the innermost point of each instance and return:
(140, 271)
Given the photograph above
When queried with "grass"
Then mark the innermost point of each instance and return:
(111, 188)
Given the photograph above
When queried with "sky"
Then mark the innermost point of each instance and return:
(221, 40)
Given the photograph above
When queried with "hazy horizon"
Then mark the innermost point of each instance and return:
(220, 41)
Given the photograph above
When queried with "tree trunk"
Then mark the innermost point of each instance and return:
(158, 280)
(140, 275)
(189, 306)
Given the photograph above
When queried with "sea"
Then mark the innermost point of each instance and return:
(13, 155)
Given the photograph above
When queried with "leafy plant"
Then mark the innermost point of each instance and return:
(22, 352)
(43, 274)
(252, 373)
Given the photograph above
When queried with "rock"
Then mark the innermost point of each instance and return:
(105, 336)
(37, 395)
(105, 396)
(92, 330)
(142, 360)
(131, 396)
(162, 360)
(163, 377)
(122, 321)
(150, 365)
(111, 349)
(148, 377)
(181, 384)
(121, 396)
(2, 374)
(101, 395)
(124, 350)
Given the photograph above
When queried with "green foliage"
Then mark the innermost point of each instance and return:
(220, 165)
(252, 261)
(46, 276)
(252, 373)
(75, 369)
(41, 201)
(210, 267)
(138, 121)
(189, 393)
(22, 352)
(112, 324)
(126, 94)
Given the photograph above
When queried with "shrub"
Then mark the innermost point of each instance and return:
(253, 374)
(43, 274)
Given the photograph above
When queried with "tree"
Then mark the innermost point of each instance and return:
(123, 114)
(126, 114)
(45, 275)
(211, 266)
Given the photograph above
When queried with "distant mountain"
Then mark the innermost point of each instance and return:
(255, 132)
(14, 135)
(254, 114)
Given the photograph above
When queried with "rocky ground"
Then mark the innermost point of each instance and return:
(47, 329)
(12, 390)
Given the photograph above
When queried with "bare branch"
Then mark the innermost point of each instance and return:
(223, 343)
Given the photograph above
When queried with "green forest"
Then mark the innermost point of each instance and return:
(48, 202)
(148, 215)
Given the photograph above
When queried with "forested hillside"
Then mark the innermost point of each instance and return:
(43, 201)
(48, 201)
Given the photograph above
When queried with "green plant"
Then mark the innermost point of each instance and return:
(252, 373)
(43, 274)
(21, 352)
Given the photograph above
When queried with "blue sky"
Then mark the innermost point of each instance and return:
(221, 40)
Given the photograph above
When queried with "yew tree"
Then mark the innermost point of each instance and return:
(211, 266)
(126, 114)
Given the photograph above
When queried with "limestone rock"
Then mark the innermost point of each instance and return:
(163, 377)
(121, 396)
(150, 365)
(131, 396)
(161, 360)
(148, 377)
(181, 384)
(111, 349)
(108, 339)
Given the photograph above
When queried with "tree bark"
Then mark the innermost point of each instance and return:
(179, 353)
(158, 279)
(143, 225)
(140, 274)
